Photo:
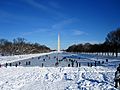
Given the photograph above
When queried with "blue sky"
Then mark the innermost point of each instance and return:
(77, 21)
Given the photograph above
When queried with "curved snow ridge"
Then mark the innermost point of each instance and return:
(61, 78)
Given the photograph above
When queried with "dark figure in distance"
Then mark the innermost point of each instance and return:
(106, 60)
(56, 64)
(26, 63)
(54, 57)
(76, 64)
(19, 63)
(98, 62)
(16, 64)
(79, 64)
(68, 65)
(6, 64)
(10, 64)
(88, 64)
(44, 60)
(29, 63)
(95, 63)
(72, 64)
(38, 57)
(42, 64)
(102, 62)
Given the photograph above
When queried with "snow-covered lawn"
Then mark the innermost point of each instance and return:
(8, 59)
(49, 77)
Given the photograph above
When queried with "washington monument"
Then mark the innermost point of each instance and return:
(58, 42)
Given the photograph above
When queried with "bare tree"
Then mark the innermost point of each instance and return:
(113, 39)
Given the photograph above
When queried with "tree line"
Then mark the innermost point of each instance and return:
(20, 46)
(110, 45)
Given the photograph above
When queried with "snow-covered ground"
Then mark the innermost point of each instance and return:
(60, 77)
(8, 59)
(37, 78)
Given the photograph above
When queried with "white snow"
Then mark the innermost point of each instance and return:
(8, 59)
(49, 77)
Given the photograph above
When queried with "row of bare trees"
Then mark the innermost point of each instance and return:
(111, 45)
(20, 46)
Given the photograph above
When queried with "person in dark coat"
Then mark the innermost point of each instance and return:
(72, 64)
(68, 65)
(102, 62)
(10, 64)
(26, 63)
(42, 64)
(6, 64)
(29, 63)
(79, 64)
(16, 64)
(76, 64)
(56, 64)
(95, 63)
(98, 62)
(106, 60)
(88, 64)
(19, 63)
(117, 77)
(44, 60)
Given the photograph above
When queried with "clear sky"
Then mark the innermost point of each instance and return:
(77, 21)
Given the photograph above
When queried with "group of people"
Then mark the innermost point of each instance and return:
(15, 64)
(76, 63)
